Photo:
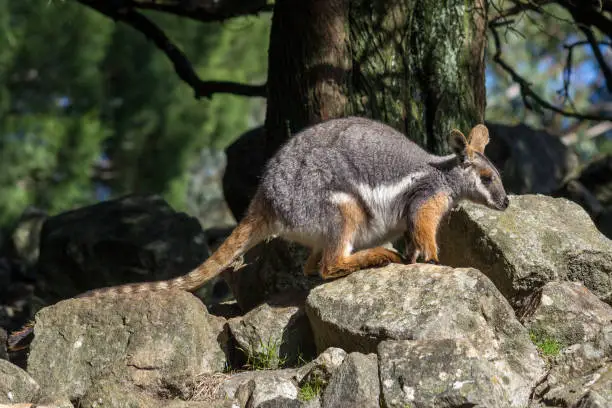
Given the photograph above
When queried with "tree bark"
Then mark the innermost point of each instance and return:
(417, 65)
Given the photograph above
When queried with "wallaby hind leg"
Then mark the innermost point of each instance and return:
(338, 261)
(425, 227)
(335, 266)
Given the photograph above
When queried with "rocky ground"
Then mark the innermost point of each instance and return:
(521, 318)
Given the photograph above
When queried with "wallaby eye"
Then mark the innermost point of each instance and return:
(486, 179)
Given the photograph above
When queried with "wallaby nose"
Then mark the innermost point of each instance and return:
(506, 202)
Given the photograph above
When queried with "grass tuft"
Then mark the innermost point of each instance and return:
(267, 357)
(311, 389)
(548, 346)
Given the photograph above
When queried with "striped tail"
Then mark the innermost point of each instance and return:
(251, 231)
(247, 234)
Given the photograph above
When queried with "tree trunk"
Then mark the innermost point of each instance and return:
(308, 66)
(417, 65)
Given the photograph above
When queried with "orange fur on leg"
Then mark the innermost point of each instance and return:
(367, 258)
(426, 224)
(338, 261)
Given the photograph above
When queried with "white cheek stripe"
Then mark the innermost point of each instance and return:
(485, 193)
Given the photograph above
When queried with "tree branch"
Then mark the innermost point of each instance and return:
(182, 66)
(535, 5)
(200, 12)
(588, 16)
(605, 69)
(528, 92)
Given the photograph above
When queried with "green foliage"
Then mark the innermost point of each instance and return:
(311, 389)
(265, 357)
(46, 162)
(548, 346)
(77, 90)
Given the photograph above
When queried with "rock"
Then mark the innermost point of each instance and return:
(425, 302)
(16, 386)
(530, 160)
(538, 239)
(443, 374)
(275, 333)
(225, 386)
(321, 368)
(268, 392)
(130, 239)
(571, 369)
(273, 267)
(157, 341)
(593, 390)
(567, 312)
(264, 388)
(354, 384)
(3, 338)
(599, 394)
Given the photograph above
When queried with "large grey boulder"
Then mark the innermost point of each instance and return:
(426, 302)
(16, 386)
(448, 373)
(130, 239)
(277, 329)
(156, 341)
(538, 239)
(354, 384)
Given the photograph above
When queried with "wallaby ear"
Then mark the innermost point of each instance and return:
(458, 143)
(479, 138)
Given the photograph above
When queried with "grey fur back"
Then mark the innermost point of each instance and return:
(335, 156)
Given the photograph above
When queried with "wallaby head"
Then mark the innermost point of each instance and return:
(480, 180)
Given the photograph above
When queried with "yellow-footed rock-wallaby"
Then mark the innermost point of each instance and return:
(345, 186)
